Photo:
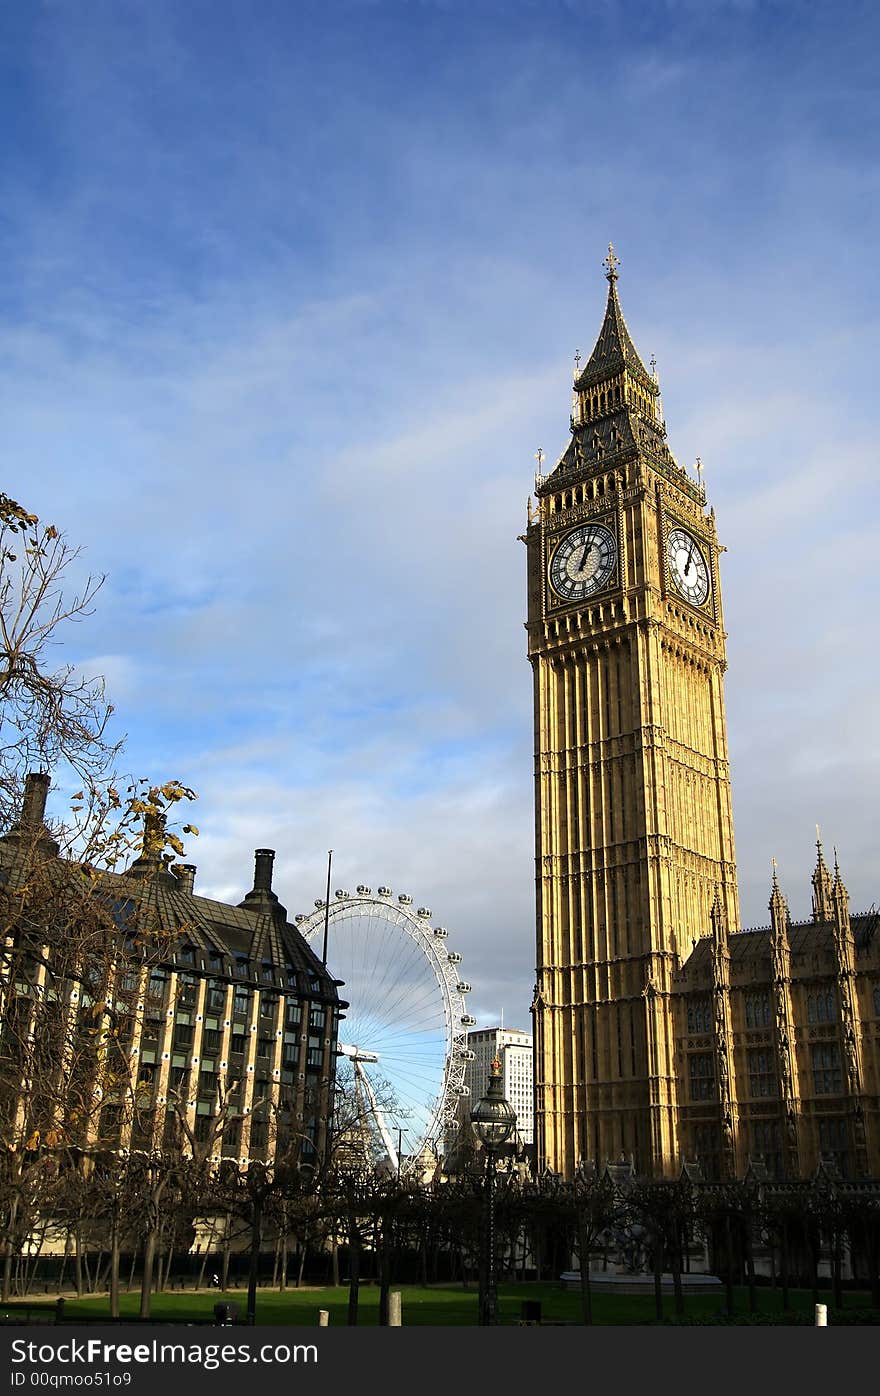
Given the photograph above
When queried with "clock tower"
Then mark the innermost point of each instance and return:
(633, 823)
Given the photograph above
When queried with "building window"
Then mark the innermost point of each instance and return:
(699, 1014)
(178, 1078)
(204, 1128)
(157, 985)
(187, 991)
(183, 1035)
(215, 998)
(834, 1142)
(827, 1075)
(211, 1040)
(293, 1013)
(821, 1005)
(242, 1003)
(707, 1147)
(763, 1080)
(701, 1069)
(759, 1012)
(767, 1144)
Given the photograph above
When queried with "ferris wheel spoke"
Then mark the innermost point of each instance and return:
(404, 1007)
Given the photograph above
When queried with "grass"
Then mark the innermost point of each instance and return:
(439, 1306)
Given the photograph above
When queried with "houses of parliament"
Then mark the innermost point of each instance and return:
(663, 1032)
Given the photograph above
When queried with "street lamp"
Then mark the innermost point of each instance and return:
(493, 1119)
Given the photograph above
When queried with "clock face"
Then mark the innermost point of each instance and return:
(583, 562)
(687, 566)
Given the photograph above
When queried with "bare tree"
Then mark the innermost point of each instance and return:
(48, 714)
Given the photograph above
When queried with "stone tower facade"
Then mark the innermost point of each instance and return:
(634, 832)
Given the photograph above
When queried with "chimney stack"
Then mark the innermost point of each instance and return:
(29, 830)
(186, 876)
(36, 790)
(261, 898)
(264, 858)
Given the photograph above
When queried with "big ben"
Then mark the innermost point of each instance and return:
(633, 826)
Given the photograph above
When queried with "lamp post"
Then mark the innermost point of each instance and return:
(493, 1119)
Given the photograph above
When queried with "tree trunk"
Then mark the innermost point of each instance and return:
(677, 1287)
(224, 1277)
(114, 1268)
(78, 1263)
(147, 1276)
(254, 1267)
(874, 1262)
(750, 1268)
(728, 1279)
(584, 1251)
(384, 1288)
(7, 1259)
(354, 1265)
(836, 1281)
(658, 1280)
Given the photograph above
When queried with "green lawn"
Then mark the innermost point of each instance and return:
(449, 1306)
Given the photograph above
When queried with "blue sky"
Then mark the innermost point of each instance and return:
(290, 299)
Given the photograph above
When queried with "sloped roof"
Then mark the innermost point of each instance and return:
(614, 349)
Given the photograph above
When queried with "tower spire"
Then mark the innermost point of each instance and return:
(822, 888)
(611, 263)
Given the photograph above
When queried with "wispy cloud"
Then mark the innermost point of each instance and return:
(282, 329)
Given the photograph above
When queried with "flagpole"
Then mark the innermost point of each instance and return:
(327, 907)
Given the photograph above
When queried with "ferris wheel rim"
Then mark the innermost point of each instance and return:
(416, 924)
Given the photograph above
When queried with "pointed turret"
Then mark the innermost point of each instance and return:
(615, 354)
(149, 863)
(778, 906)
(616, 413)
(717, 921)
(840, 902)
(821, 885)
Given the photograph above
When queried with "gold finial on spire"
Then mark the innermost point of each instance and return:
(698, 466)
(775, 866)
(612, 262)
(539, 457)
(577, 362)
(654, 367)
